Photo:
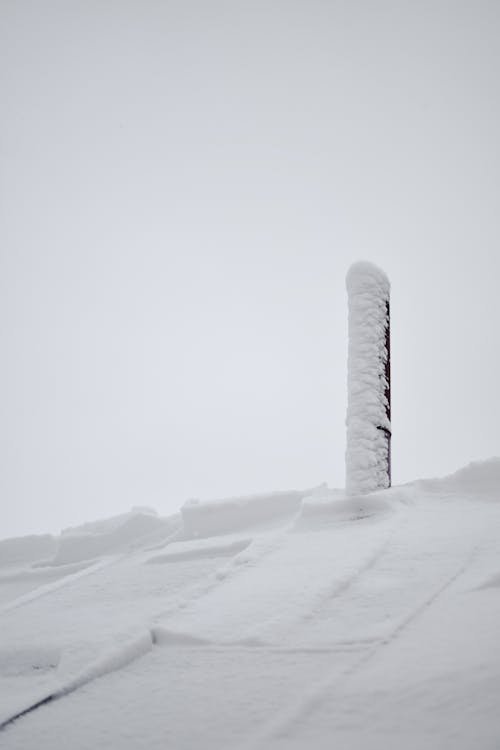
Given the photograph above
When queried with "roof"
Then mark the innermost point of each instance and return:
(365, 622)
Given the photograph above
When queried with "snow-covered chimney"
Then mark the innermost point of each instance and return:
(368, 453)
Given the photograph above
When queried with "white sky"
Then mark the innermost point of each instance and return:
(183, 187)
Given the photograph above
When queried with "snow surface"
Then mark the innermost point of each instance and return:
(112, 535)
(367, 453)
(26, 549)
(357, 622)
(221, 516)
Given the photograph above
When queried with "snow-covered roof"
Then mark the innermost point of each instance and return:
(365, 621)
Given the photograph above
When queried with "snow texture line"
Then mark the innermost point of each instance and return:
(19, 715)
(229, 549)
(281, 726)
(223, 648)
(113, 661)
(200, 590)
(161, 636)
(48, 588)
(345, 585)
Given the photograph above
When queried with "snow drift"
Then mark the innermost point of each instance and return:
(27, 549)
(119, 535)
(211, 518)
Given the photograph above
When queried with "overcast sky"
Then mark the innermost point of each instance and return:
(183, 188)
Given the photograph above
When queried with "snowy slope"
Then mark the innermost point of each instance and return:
(326, 620)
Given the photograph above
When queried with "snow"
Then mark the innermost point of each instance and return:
(26, 549)
(221, 516)
(352, 621)
(210, 548)
(367, 453)
(112, 536)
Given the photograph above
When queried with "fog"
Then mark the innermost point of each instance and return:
(183, 188)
